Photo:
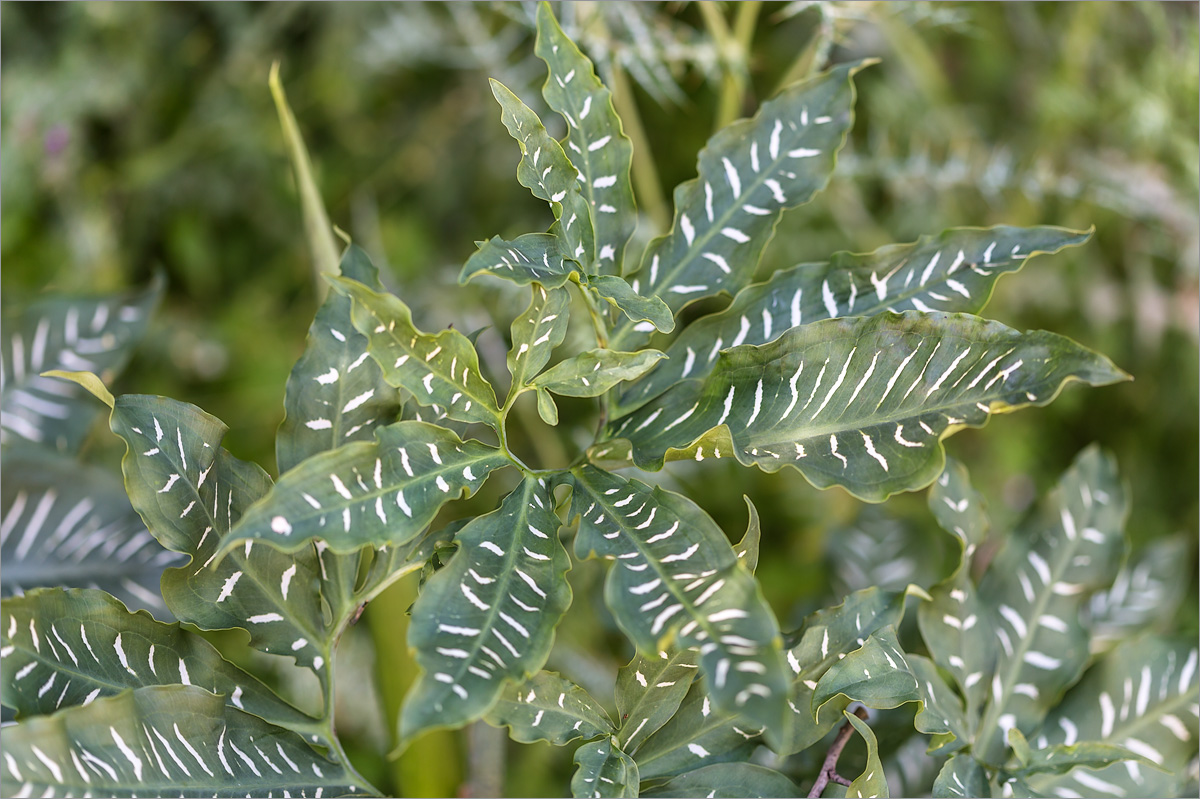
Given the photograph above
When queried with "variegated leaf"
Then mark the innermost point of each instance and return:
(860, 403)
(547, 172)
(591, 373)
(549, 708)
(649, 691)
(70, 647)
(962, 776)
(69, 524)
(676, 575)
(1038, 585)
(531, 258)
(695, 736)
(1145, 594)
(876, 674)
(368, 493)
(163, 741)
(1061, 758)
(942, 714)
(94, 334)
(748, 174)
(601, 151)
(536, 333)
(872, 781)
(650, 311)
(732, 780)
(440, 370)
(953, 272)
(489, 615)
(958, 630)
(879, 549)
(603, 770)
(959, 508)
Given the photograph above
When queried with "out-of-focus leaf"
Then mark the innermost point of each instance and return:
(551, 708)
(730, 780)
(942, 714)
(591, 373)
(958, 507)
(603, 770)
(1145, 594)
(962, 776)
(957, 629)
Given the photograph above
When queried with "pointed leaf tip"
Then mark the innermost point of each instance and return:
(88, 381)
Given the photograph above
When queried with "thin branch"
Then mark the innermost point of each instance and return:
(829, 767)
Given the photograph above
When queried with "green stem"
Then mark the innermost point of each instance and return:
(733, 48)
(327, 727)
(815, 53)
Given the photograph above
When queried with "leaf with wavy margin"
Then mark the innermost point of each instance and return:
(549, 707)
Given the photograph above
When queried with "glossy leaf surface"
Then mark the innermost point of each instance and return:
(591, 373)
(550, 708)
(531, 258)
(603, 770)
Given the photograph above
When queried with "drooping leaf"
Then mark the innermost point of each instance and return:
(599, 147)
(440, 370)
(696, 735)
(591, 373)
(649, 691)
(70, 647)
(876, 674)
(546, 407)
(381, 492)
(962, 776)
(958, 507)
(637, 308)
(69, 524)
(163, 741)
(531, 258)
(953, 272)
(1037, 586)
(731, 780)
(1145, 594)
(547, 172)
(603, 770)
(872, 781)
(488, 616)
(551, 708)
(93, 334)
(536, 333)
(860, 403)
(676, 575)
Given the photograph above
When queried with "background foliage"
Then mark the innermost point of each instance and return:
(143, 137)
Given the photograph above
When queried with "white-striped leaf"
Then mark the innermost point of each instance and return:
(677, 578)
(961, 776)
(879, 549)
(599, 147)
(69, 524)
(551, 708)
(163, 741)
(876, 674)
(368, 493)
(69, 647)
(942, 714)
(953, 272)
(729, 781)
(650, 689)
(650, 311)
(591, 373)
(872, 781)
(861, 402)
(748, 174)
(959, 508)
(488, 616)
(1037, 586)
(93, 334)
(603, 770)
(1145, 594)
(531, 258)
(440, 370)
(536, 333)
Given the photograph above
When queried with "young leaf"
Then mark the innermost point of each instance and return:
(537, 332)
(489, 615)
(959, 508)
(696, 735)
(876, 674)
(649, 691)
(546, 407)
(749, 173)
(602, 152)
(368, 493)
(69, 647)
(953, 272)
(531, 258)
(645, 310)
(549, 708)
(440, 370)
(591, 373)
(677, 575)
(547, 172)
(957, 629)
(730, 780)
(157, 741)
(962, 776)
(872, 781)
(1061, 758)
(604, 771)
(860, 403)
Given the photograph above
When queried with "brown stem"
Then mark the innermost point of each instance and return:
(829, 767)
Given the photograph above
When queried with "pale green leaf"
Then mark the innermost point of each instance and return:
(487, 616)
(941, 714)
(531, 258)
(549, 708)
(732, 780)
(958, 507)
(650, 313)
(1020, 747)
(599, 147)
(603, 770)
(696, 735)
(953, 272)
(591, 373)
(1145, 594)
(649, 691)
(957, 628)
(747, 549)
(1061, 758)
(536, 332)
(546, 407)
(872, 781)
(962, 776)
(860, 403)
(879, 549)
(163, 741)
(876, 674)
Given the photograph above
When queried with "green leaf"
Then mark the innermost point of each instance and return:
(860, 403)
(958, 630)
(677, 576)
(876, 674)
(1020, 747)
(549, 708)
(69, 647)
(649, 691)
(1145, 594)
(650, 312)
(603, 771)
(953, 272)
(69, 524)
(92, 334)
(697, 735)
(601, 151)
(872, 781)
(749, 173)
(728, 780)
(1038, 585)
(547, 172)
(962, 776)
(1061, 758)
(488, 616)
(531, 258)
(942, 712)
(439, 370)
(369, 493)
(877, 548)
(160, 741)
(537, 332)
(958, 507)
(592, 373)
(546, 407)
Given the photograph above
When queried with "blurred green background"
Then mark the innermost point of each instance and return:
(137, 137)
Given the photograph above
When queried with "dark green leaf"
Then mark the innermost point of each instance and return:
(876, 674)
(962, 776)
(531, 258)
(649, 691)
(549, 708)
(536, 333)
(649, 312)
(604, 771)
(728, 780)
(697, 735)
(591, 373)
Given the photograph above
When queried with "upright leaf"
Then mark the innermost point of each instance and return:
(1145, 593)
(961, 776)
(488, 616)
(872, 781)
(732, 780)
(959, 508)
(536, 333)
(860, 403)
(604, 771)
(531, 258)
(592, 373)
(942, 714)
(697, 735)
(601, 151)
(876, 674)
(550, 708)
(649, 691)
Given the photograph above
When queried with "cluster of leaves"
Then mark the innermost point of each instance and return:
(851, 371)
